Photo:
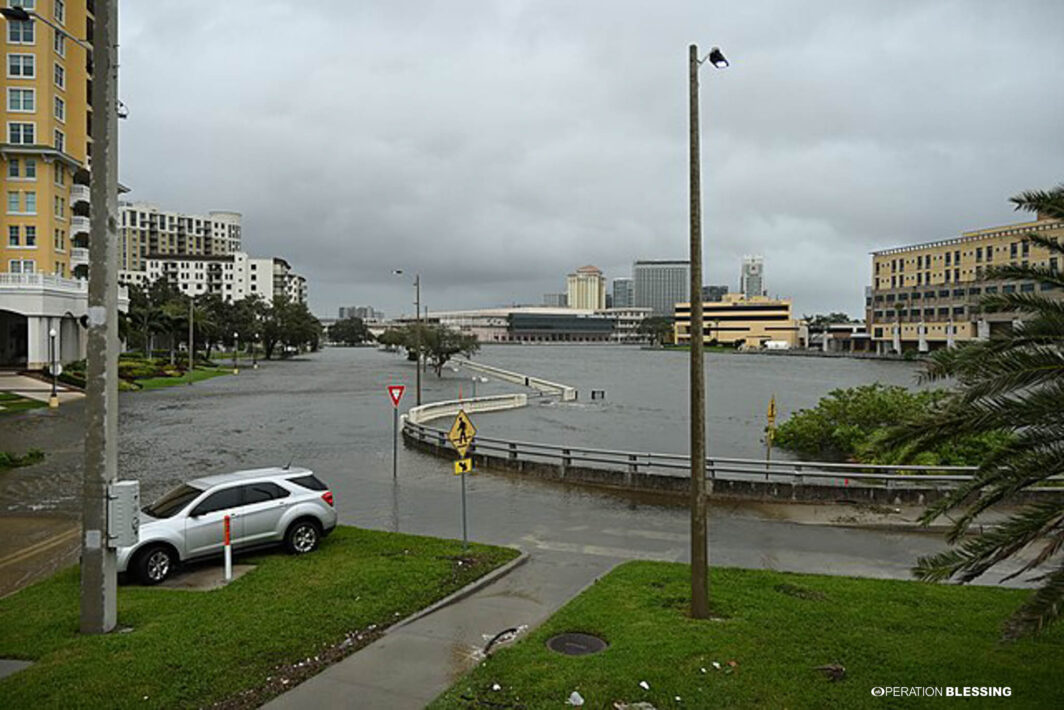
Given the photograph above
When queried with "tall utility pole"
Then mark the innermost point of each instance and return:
(98, 568)
(699, 527)
(417, 332)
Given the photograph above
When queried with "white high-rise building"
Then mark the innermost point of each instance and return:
(233, 277)
(751, 280)
(623, 297)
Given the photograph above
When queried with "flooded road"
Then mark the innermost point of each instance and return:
(330, 411)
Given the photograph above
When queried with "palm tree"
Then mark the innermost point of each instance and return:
(1014, 383)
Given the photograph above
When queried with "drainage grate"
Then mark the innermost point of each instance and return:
(576, 644)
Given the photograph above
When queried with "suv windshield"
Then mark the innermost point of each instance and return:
(172, 502)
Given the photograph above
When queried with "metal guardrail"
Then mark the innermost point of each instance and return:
(796, 473)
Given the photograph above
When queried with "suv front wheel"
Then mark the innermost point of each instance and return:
(155, 564)
(302, 537)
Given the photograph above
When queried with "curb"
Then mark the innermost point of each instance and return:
(474, 586)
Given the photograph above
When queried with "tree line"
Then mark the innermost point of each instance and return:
(159, 316)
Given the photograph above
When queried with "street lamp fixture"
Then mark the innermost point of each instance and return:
(716, 58)
(53, 401)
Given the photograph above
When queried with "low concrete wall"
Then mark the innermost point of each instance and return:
(449, 408)
(677, 485)
(566, 392)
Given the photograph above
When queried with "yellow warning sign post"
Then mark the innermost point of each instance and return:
(462, 433)
(770, 428)
(461, 438)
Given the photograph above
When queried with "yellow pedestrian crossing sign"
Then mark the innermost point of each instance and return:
(462, 433)
(463, 466)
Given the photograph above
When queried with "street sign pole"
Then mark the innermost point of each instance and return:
(465, 533)
(395, 442)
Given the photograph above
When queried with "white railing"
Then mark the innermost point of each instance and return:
(38, 281)
(79, 224)
(78, 256)
(79, 193)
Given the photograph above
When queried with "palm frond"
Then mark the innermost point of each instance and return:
(1041, 609)
(1048, 202)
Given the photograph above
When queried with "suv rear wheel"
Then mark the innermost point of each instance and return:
(155, 564)
(302, 537)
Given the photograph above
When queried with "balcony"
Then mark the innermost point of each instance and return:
(33, 282)
(79, 225)
(79, 257)
(79, 193)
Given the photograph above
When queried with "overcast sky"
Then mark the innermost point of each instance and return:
(496, 146)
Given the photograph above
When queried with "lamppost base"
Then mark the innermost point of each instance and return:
(53, 401)
(236, 371)
(255, 366)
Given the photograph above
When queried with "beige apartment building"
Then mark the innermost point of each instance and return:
(754, 322)
(586, 289)
(926, 296)
(147, 230)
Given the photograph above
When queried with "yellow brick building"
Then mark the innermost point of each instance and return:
(45, 148)
(926, 296)
(741, 321)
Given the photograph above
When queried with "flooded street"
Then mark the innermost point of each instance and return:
(330, 411)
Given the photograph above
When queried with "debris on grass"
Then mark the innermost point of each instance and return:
(832, 671)
(644, 685)
(575, 699)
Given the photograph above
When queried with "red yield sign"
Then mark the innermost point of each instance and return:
(396, 393)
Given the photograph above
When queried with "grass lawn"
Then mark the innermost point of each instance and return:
(200, 373)
(777, 628)
(192, 649)
(10, 402)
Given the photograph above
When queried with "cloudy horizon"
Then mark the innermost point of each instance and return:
(495, 147)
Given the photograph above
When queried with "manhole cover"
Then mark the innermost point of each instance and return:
(576, 644)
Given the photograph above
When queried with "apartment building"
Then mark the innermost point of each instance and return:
(926, 296)
(46, 140)
(233, 277)
(146, 230)
(586, 288)
(623, 293)
(740, 321)
(752, 276)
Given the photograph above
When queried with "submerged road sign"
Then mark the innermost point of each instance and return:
(463, 466)
(462, 433)
(396, 393)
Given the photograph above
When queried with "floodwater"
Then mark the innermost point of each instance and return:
(330, 411)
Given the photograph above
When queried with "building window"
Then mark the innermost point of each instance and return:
(1026, 288)
(12, 168)
(22, 266)
(12, 235)
(31, 203)
(31, 169)
(12, 202)
(1026, 249)
(60, 208)
(991, 289)
(979, 253)
(60, 109)
(956, 275)
(20, 31)
(1009, 288)
(60, 141)
(59, 43)
(947, 258)
(31, 235)
(1013, 250)
(59, 74)
(22, 100)
(60, 174)
(21, 133)
(21, 66)
(59, 11)
(58, 240)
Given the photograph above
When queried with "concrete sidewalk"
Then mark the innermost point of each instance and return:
(33, 388)
(409, 667)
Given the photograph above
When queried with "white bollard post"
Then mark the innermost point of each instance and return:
(228, 553)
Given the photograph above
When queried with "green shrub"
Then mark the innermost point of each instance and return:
(849, 424)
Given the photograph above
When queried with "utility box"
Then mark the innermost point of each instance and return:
(123, 514)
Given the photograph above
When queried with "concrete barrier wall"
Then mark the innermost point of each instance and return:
(449, 408)
(566, 392)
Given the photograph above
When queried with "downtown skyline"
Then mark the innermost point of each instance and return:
(493, 153)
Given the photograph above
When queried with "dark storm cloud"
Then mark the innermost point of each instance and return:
(494, 147)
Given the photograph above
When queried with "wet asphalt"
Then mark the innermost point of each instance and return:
(330, 411)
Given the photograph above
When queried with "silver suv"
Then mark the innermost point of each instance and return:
(266, 506)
